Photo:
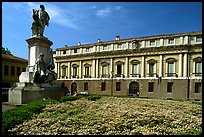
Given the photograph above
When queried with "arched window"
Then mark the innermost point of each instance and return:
(198, 66)
(171, 67)
(152, 69)
(135, 67)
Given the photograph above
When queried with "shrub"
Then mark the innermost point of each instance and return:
(93, 97)
(69, 98)
(18, 115)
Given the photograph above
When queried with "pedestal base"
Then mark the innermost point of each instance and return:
(25, 93)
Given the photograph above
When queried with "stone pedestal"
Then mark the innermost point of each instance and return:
(36, 46)
(24, 93)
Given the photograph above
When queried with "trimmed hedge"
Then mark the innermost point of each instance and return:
(93, 97)
(16, 116)
(72, 98)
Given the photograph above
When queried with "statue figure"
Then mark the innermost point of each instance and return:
(40, 20)
(44, 73)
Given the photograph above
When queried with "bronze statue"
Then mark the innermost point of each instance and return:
(40, 20)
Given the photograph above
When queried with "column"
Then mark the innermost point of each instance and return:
(97, 68)
(68, 70)
(160, 66)
(127, 67)
(185, 65)
(111, 66)
(180, 65)
(161, 42)
(58, 70)
(186, 40)
(80, 69)
(181, 40)
(143, 67)
(93, 68)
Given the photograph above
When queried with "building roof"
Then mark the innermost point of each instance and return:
(129, 39)
(6, 57)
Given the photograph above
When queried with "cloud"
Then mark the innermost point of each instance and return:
(57, 15)
(107, 11)
(104, 12)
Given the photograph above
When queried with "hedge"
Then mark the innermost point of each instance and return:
(16, 116)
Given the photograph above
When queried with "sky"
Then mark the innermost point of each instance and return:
(85, 22)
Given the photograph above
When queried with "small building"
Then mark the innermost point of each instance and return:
(12, 67)
(164, 66)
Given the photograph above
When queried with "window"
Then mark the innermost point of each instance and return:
(169, 86)
(170, 70)
(64, 51)
(12, 70)
(103, 70)
(103, 86)
(151, 70)
(6, 70)
(118, 86)
(75, 50)
(18, 71)
(151, 87)
(152, 43)
(85, 85)
(119, 69)
(24, 70)
(198, 68)
(171, 41)
(134, 69)
(63, 72)
(105, 47)
(86, 71)
(87, 49)
(119, 46)
(198, 87)
(199, 39)
(192, 39)
(74, 72)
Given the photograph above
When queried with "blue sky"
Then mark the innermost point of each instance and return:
(85, 22)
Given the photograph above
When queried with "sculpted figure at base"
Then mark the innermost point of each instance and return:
(40, 20)
(44, 72)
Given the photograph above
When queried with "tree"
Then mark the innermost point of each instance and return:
(6, 51)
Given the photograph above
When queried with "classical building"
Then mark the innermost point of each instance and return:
(12, 66)
(164, 66)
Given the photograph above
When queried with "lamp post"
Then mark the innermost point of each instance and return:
(159, 82)
(112, 82)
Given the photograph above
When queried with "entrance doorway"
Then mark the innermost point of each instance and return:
(134, 88)
(73, 88)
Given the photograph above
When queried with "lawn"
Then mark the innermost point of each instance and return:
(115, 116)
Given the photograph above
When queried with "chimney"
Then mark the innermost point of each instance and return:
(99, 40)
(79, 43)
(117, 38)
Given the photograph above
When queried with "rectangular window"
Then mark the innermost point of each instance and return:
(103, 86)
(18, 72)
(86, 71)
(170, 69)
(118, 86)
(63, 72)
(119, 46)
(170, 41)
(86, 86)
(87, 49)
(105, 47)
(198, 87)
(119, 69)
(74, 72)
(198, 68)
(169, 86)
(12, 70)
(103, 70)
(151, 70)
(6, 70)
(192, 39)
(75, 50)
(199, 39)
(151, 87)
(152, 43)
(134, 69)
(64, 51)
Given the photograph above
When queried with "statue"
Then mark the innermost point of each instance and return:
(44, 72)
(40, 20)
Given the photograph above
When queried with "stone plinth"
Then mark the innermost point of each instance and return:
(25, 93)
(26, 77)
(37, 45)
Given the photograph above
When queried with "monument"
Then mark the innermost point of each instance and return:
(39, 79)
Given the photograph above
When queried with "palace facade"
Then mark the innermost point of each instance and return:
(163, 66)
